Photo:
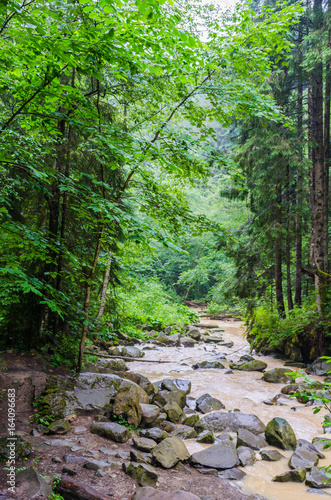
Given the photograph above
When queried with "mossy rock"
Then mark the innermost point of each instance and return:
(279, 433)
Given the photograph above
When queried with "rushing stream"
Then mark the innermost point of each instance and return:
(244, 391)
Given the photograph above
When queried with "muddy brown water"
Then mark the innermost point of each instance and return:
(246, 392)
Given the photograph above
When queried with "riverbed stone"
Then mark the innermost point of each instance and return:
(162, 338)
(247, 438)
(128, 352)
(140, 380)
(206, 437)
(195, 333)
(185, 432)
(271, 455)
(206, 403)
(303, 443)
(277, 376)
(303, 458)
(167, 426)
(319, 367)
(163, 397)
(174, 412)
(294, 476)
(149, 413)
(279, 433)
(111, 430)
(207, 365)
(154, 433)
(144, 474)
(153, 494)
(140, 457)
(106, 366)
(127, 404)
(176, 384)
(191, 420)
(144, 444)
(218, 456)
(188, 341)
(230, 422)
(246, 455)
(249, 366)
(170, 451)
(234, 475)
(316, 478)
(290, 389)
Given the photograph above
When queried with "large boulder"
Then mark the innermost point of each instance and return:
(140, 380)
(31, 485)
(271, 455)
(207, 365)
(185, 432)
(164, 339)
(149, 413)
(170, 451)
(249, 366)
(279, 433)
(229, 422)
(278, 376)
(153, 494)
(111, 430)
(144, 444)
(127, 403)
(218, 456)
(174, 412)
(170, 396)
(61, 426)
(316, 478)
(188, 342)
(144, 474)
(247, 438)
(206, 437)
(246, 455)
(303, 458)
(206, 403)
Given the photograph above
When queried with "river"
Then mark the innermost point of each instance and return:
(244, 391)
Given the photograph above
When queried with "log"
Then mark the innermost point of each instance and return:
(73, 490)
(130, 359)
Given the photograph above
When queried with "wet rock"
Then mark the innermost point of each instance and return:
(279, 433)
(191, 420)
(111, 430)
(144, 474)
(106, 366)
(246, 455)
(154, 433)
(206, 403)
(188, 342)
(144, 444)
(31, 485)
(206, 437)
(319, 367)
(294, 476)
(170, 451)
(174, 412)
(246, 357)
(159, 421)
(149, 413)
(316, 478)
(303, 458)
(61, 426)
(271, 455)
(218, 456)
(277, 376)
(206, 365)
(92, 381)
(153, 494)
(232, 474)
(249, 366)
(230, 422)
(185, 432)
(140, 457)
(247, 438)
(127, 403)
(278, 400)
(14, 444)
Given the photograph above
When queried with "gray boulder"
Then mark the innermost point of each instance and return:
(174, 412)
(279, 433)
(246, 455)
(185, 432)
(106, 366)
(144, 444)
(127, 402)
(163, 397)
(206, 403)
(271, 455)
(111, 430)
(170, 451)
(127, 351)
(176, 384)
(218, 456)
(303, 458)
(277, 376)
(31, 485)
(207, 365)
(247, 438)
(316, 478)
(234, 475)
(249, 366)
(164, 339)
(154, 433)
(149, 413)
(61, 426)
(230, 422)
(188, 342)
(206, 437)
(191, 420)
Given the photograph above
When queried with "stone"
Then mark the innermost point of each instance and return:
(249, 366)
(14, 444)
(144, 444)
(246, 455)
(232, 475)
(316, 478)
(207, 403)
(277, 376)
(319, 367)
(106, 366)
(167, 426)
(164, 339)
(206, 437)
(188, 342)
(96, 465)
(247, 438)
(154, 433)
(290, 389)
(170, 451)
(271, 455)
(191, 420)
(68, 471)
(140, 380)
(194, 333)
(73, 489)
(140, 457)
(303, 458)
(163, 397)
(128, 352)
(229, 422)
(294, 476)
(149, 413)
(295, 364)
(144, 474)
(73, 459)
(279, 433)
(153, 494)
(61, 426)
(303, 443)
(31, 485)
(185, 432)
(127, 403)
(175, 384)
(174, 412)
(207, 365)
(111, 430)
(218, 456)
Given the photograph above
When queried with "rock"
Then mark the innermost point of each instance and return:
(91, 381)
(154, 433)
(277, 376)
(128, 352)
(127, 403)
(303, 458)
(152, 494)
(206, 365)
(174, 385)
(170, 451)
(96, 465)
(303, 443)
(31, 485)
(163, 397)
(73, 459)
(207, 403)
(185, 432)
(144, 444)
(271, 455)
(247, 438)
(206, 437)
(278, 400)
(61, 426)
(70, 488)
(279, 433)
(319, 367)
(188, 342)
(191, 420)
(295, 364)
(229, 422)
(210, 339)
(249, 366)
(316, 478)
(14, 446)
(167, 426)
(232, 475)
(111, 430)
(246, 455)
(195, 333)
(140, 380)
(294, 476)
(246, 357)
(68, 471)
(164, 339)
(174, 412)
(218, 456)
(140, 457)
(144, 474)
(106, 366)
(290, 389)
(149, 413)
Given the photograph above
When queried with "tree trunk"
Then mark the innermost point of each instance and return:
(278, 256)
(288, 247)
(299, 200)
(104, 288)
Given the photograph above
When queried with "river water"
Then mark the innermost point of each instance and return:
(244, 391)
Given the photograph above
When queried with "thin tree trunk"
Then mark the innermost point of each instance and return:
(327, 144)
(278, 257)
(104, 288)
(288, 248)
(298, 217)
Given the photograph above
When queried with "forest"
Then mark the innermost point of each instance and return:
(159, 154)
